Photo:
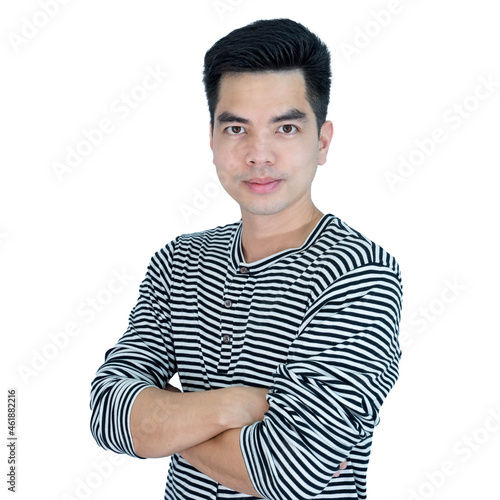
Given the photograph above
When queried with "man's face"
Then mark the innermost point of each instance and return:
(265, 141)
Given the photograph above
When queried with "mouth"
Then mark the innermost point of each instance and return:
(265, 185)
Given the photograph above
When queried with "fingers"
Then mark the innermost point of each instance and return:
(343, 465)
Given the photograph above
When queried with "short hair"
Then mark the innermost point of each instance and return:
(271, 45)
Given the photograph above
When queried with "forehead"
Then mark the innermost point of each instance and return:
(270, 90)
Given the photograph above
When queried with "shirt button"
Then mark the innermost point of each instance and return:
(226, 339)
(228, 303)
(243, 270)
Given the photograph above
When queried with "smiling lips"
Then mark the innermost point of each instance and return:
(264, 185)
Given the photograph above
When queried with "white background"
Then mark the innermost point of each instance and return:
(63, 236)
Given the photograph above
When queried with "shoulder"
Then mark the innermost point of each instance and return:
(188, 243)
(344, 249)
(183, 252)
(348, 267)
(214, 236)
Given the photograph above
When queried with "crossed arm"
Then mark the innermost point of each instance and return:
(204, 427)
(220, 458)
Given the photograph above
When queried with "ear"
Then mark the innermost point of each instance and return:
(211, 132)
(325, 138)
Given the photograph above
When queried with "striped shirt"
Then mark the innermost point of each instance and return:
(317, 324)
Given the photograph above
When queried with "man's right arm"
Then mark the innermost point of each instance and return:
(133, 411)
(133, 414)
(163, 422)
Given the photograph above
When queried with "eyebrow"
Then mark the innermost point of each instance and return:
(291, 114)
(226, 117)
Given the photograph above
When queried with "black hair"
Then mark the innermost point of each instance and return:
(271, 45)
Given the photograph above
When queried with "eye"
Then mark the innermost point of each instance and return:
(235, 130)
(288, 129)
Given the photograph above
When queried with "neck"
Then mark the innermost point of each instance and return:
(265, 235)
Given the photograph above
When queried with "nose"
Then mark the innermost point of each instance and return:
(259, 151)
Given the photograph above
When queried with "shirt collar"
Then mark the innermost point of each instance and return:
(237, 260)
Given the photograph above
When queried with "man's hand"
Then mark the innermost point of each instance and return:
(163, 422)
(343, 465)
(248, 405)
(220, 458)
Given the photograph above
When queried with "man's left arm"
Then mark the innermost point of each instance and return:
(324, 400)
(221, 459)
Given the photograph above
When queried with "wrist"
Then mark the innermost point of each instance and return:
(241, 406)
(228, 408)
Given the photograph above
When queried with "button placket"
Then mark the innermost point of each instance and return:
(226, 325)
(225, 353)
(228, 314)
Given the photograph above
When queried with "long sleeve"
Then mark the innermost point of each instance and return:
(326, 398)
(142, 358)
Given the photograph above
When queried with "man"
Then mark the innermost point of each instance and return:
(282, 327)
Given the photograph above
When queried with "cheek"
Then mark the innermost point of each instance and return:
(222, 155)
(224, 171)
(305, 160)
(226, 161)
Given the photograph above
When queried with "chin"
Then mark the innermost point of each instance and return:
(263, 208)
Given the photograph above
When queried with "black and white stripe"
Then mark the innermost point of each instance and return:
(317, 324)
